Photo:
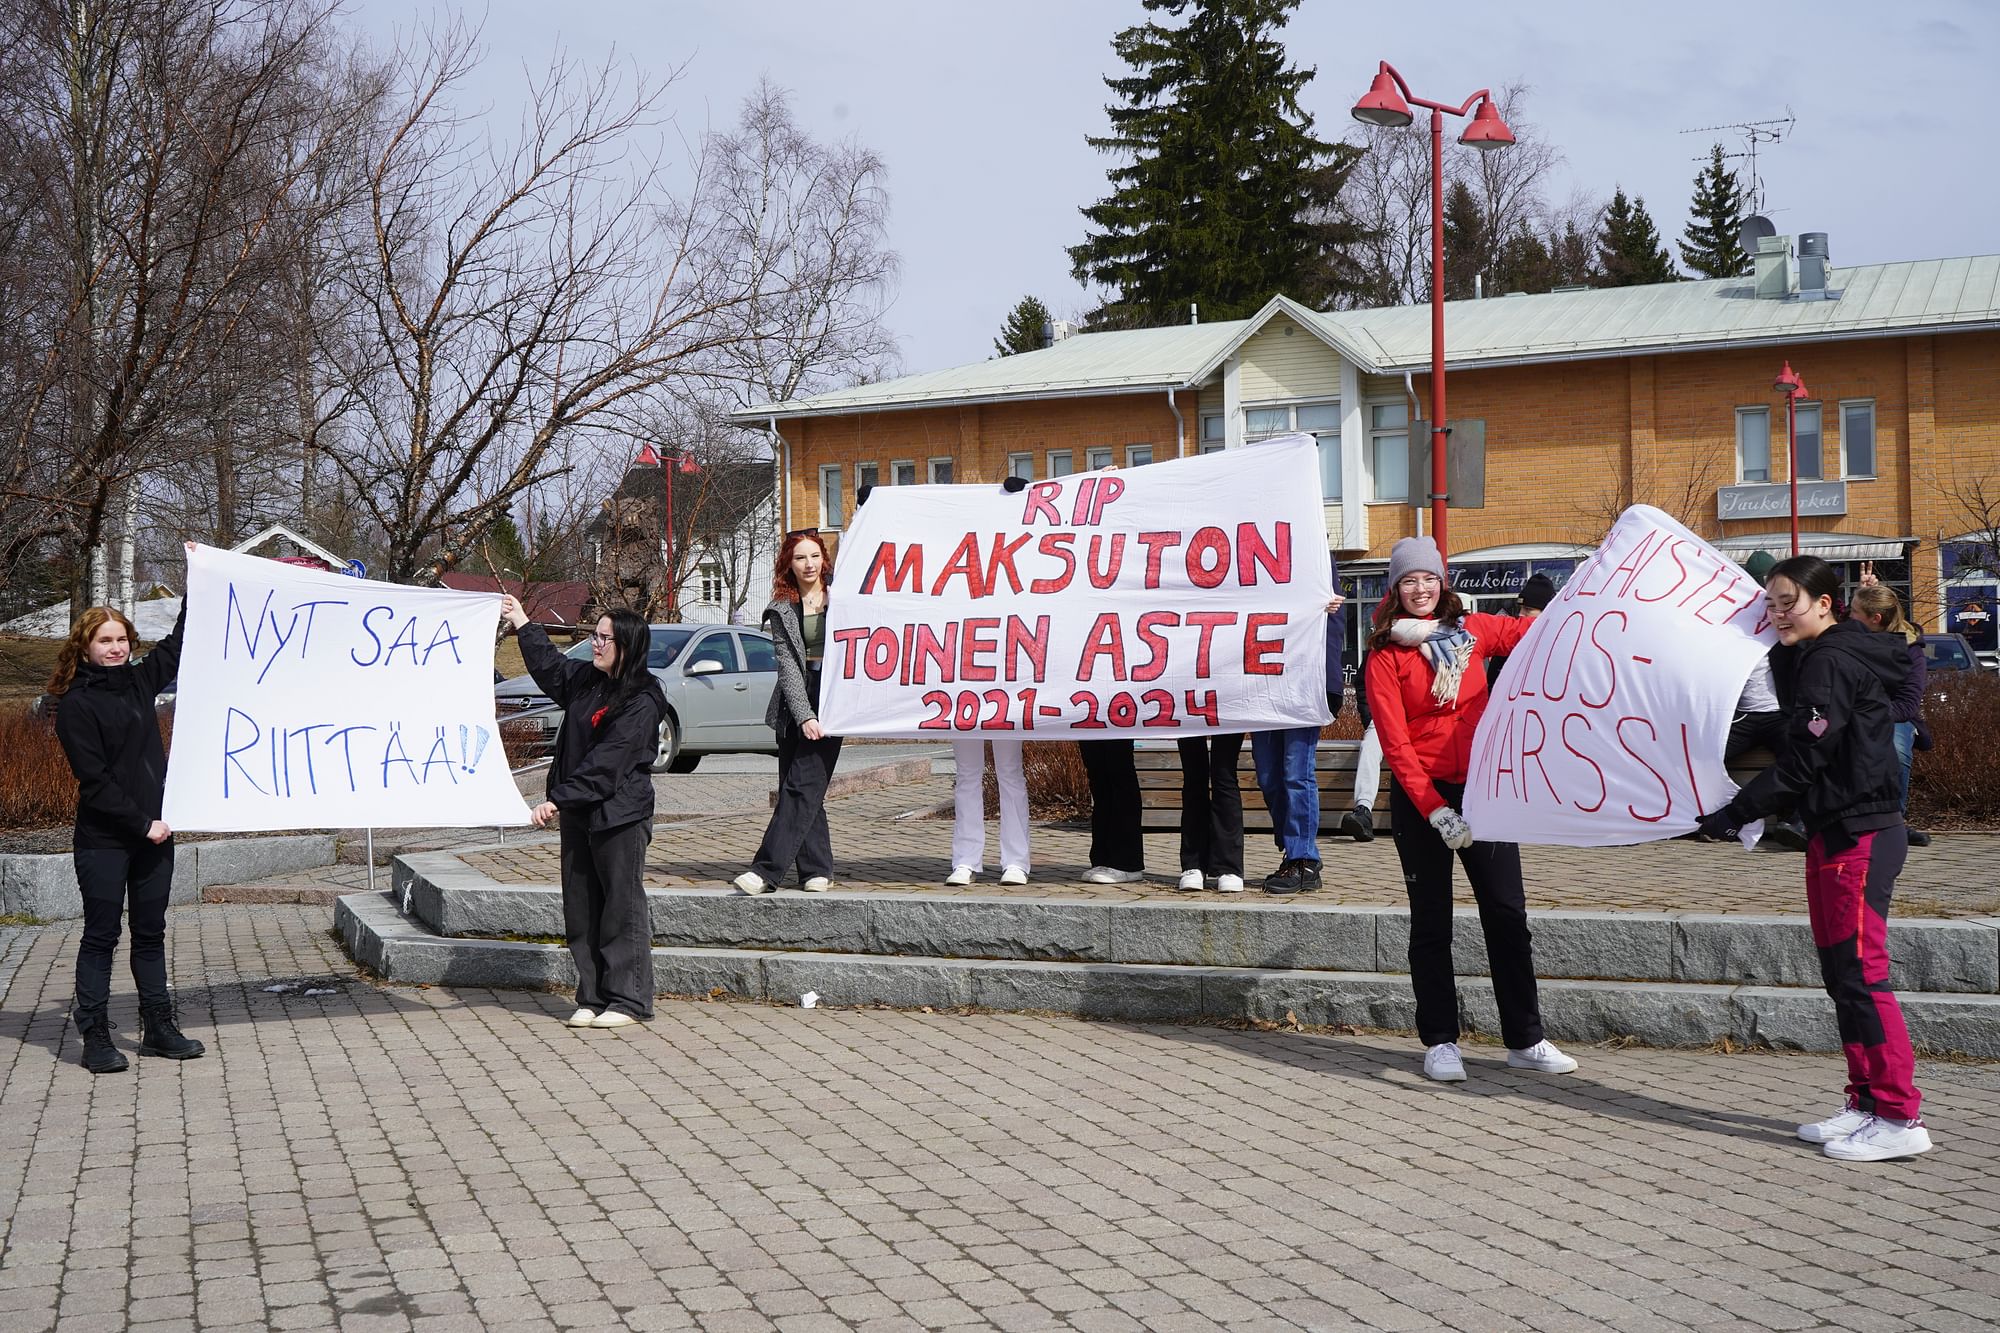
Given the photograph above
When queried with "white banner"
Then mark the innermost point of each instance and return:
(314, 700)
(1180, 598)
(1608, 723)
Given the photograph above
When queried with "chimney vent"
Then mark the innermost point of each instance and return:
(1775, 278)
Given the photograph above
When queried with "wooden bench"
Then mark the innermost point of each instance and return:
(1159, 765)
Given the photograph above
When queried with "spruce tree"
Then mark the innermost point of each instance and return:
(1523, 264)
(1712, 245)
(1629, 252)
(1572, 258)
(1465, 243)
(1025, 329)
(1224, 196)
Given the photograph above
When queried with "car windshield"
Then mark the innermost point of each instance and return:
(1946, 654)
(667, 645)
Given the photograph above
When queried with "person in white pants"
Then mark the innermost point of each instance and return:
(968, 829)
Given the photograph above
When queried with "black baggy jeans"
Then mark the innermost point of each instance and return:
(1494, 870)
(606, 922)
(113, 881)
(1211, 804)
(798, 830)
(1116, 840)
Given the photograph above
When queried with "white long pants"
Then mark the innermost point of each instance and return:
(968, 828)
(1368, 768)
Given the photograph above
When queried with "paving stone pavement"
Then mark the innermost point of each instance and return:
(883, 841)
(391, 1158)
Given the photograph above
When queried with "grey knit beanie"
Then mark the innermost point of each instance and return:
(1414, 555)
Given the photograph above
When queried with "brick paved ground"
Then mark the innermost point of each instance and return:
(874, 848)
(456, 1159)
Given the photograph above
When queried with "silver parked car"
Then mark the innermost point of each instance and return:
(718, 681)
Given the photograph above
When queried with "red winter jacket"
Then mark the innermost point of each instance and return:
(1424, 741)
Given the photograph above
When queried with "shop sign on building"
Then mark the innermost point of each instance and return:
(1817, 499)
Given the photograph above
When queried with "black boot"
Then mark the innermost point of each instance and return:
(99, 1055)
(162, 1037)
(1359, 824)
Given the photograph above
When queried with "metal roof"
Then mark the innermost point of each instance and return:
(1875, 300)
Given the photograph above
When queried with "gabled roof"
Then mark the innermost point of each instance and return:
(280, 531)
(1875, 300)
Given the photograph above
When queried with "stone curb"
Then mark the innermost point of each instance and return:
(44, 885)
(1948, 956)
(893, 774)
(402, 949)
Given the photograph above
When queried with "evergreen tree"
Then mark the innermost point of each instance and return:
(1523, 265)
(1629, 252)
(1572, 258)
(1025, 329)
(1712, 245)
(1465, 246)
(1225, 196)
(500, 551)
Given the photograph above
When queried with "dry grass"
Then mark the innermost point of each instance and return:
(1956, 784)
(25, 665)
(37, 790)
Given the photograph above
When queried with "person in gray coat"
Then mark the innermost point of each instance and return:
(796, 619)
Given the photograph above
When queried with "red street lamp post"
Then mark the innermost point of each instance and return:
(650, 457)
(1789, 384)
(1387, 102)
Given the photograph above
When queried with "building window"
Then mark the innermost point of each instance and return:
(1322, 422)
(1138, 455)
(866, 474)
(1857, 437)
(941, 471)
(1260, 423)
(1213, 435)
(1389, 452)
(1753, 444)
(1094, 459)
(1810, 454)
(1022, 466)
(1060, 464)
(831, 513)
(711, 584)
(904, 471)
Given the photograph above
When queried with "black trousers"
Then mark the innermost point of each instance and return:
(1751, 731)
(798, 830)
(1494, 869)
(1211, 804)
(1115, 837)
(605, 918)
(114, 880)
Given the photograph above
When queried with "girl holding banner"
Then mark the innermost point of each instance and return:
(124, 852)
(796, 619)
(1426, 691)
(1841, 771)
(600, 794)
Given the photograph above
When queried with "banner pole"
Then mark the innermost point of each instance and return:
(371, 860)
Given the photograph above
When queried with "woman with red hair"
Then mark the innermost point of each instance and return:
(796, 618)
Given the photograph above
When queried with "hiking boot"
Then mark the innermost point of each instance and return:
(1296, 875)
(1359, 824)
(162, 1038)
(99, 1055)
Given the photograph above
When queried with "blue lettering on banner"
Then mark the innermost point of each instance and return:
(278, 760)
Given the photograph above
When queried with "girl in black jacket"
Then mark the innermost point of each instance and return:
(124, 852)
(1839, 770)
(600, 793)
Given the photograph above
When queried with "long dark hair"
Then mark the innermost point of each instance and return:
(1450, 610)
(1812, 576)
(634, 640)
(784, 583)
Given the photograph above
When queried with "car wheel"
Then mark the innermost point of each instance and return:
(685, 763)
(669, 749)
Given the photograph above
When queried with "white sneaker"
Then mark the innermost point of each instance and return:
(751, 882)
(1838, 1126)
(1013, 875)
(817, 884)
(611, 1018)
(1543, 1058)
(1229, 883)
(1442, 1063)
(959, 877)
(1190, 881)
(1106, 875)
(1878, 1140)
(581, 1018)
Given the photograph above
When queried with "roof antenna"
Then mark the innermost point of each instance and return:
(1754, 132)
(1194, 312)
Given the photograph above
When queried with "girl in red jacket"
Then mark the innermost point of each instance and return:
(1426, 690)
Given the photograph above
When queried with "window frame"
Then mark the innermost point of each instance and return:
(1017, 462)
(1743, 478)
(837, 519)
(714, 589)
(1847, 469)
(1221, 437)
(1376, 434)
(867, 474)
(1291, 411)
(1132, 452)
(1068, 457)
(931, 470)
(1819, 410)
(1097, 456)
(896, 466)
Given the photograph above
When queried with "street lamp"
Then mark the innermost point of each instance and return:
(651, 457)
(1789, 384)
(1387, 103)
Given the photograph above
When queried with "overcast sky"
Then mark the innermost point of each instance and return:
(980, 110)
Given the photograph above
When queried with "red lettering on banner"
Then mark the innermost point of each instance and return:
(1569, 663)
(1003, 558)
(1251, 550)
(1534, 751)
(964, 563)
(1030, 643)
(879, 661)
(1724, 597)
(1503, 762)
(1603, 789)
(1665, 790)
(1157, 545)
(1672, 550)
(971, 647)
(1106, 639)
(1209, 622)
(1079, 509)
(1633, 563)
(1610, 662)
(1200, 571)
(1687, 756)
(1056, 544)
(1156, 643)
(1105, 574)
(1256, 648)
(1041, 503)
(1103, 497)
(910, 571)
(850, 640)
(1706, 584)
(928, 649)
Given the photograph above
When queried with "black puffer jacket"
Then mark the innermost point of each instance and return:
(600, 773)
(1839, 766)
(111, 736)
